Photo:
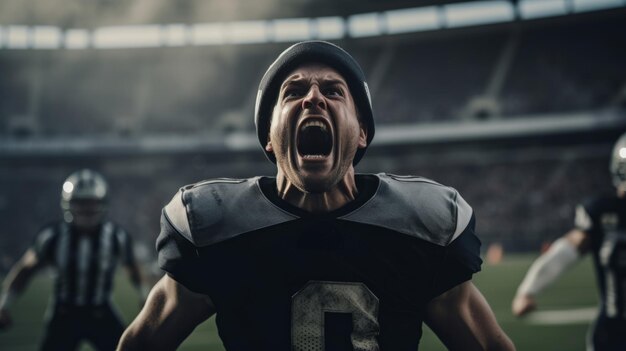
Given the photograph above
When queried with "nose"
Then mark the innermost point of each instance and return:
(314, 99)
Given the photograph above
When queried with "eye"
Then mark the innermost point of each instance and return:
(332, 91)
(293, 93)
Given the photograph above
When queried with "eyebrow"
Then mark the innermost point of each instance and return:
(334, 81)
(299, 80)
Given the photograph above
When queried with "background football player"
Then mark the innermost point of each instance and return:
(83, 250)
(317, 257)
(600, 228)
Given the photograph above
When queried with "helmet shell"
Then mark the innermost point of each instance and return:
(84, 184)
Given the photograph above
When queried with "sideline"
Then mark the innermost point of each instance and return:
(572, 316)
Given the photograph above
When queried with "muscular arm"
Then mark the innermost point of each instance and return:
(168, 317)
(549, 267)
(463, 320)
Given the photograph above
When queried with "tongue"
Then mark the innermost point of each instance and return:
(314, 141)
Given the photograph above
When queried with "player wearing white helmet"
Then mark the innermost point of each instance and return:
(84, 249)
(599, 229)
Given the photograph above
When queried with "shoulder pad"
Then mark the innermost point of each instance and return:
(216, 210)
(416, 206)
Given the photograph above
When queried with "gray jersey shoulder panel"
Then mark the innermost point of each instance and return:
(415, 206)
(213, 211)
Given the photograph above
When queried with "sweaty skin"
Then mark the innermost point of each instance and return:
(316, 92)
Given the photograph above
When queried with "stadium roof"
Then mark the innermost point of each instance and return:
(276, 22)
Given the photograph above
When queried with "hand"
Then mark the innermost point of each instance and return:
(523, 304)
(5, 319)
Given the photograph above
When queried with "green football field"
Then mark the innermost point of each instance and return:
(561, 325)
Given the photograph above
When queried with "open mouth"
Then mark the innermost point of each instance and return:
(314, 140)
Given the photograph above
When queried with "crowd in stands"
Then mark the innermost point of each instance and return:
(519, 201)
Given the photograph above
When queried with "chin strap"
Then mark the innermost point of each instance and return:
(548, 267)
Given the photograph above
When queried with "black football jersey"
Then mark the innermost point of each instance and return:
(357, 278)
(83, 264)
(604, 219)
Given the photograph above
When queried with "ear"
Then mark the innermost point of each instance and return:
(362, 137)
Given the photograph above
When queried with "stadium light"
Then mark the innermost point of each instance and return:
(594, 5)
(76, 39)
(364, 25)
(478, 13)
(46, 37)
(530, 9)
(127, 37)
(292, 29)
(208, 34)
(412, 20)
(18, 37)
(247, 32)
(175, 35)
(330, 28)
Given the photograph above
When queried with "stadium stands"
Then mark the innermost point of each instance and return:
(561, 66)
(524, 193)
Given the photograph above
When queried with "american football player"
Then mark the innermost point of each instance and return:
(600, 229)
(317, 257)
(83, 250)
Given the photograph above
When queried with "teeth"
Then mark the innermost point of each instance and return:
(314, 124)
(314, 156)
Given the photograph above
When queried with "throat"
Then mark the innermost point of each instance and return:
(336, 197)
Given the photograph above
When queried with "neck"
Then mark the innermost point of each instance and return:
(339, 195)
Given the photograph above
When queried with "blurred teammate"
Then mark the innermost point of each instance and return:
(84, 251)
(317, 257)
(600, 228)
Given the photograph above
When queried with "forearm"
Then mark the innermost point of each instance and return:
(141, 336)
(547, 268)
(463, 320)
(169, 315)
(15, 282)
(150, 330)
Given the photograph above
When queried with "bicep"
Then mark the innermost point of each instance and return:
(463, 320)
(168, 317)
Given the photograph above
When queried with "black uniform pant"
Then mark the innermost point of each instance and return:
(69, 325)
(607, 334)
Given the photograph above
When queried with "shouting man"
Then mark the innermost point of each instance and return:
(318, 257)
